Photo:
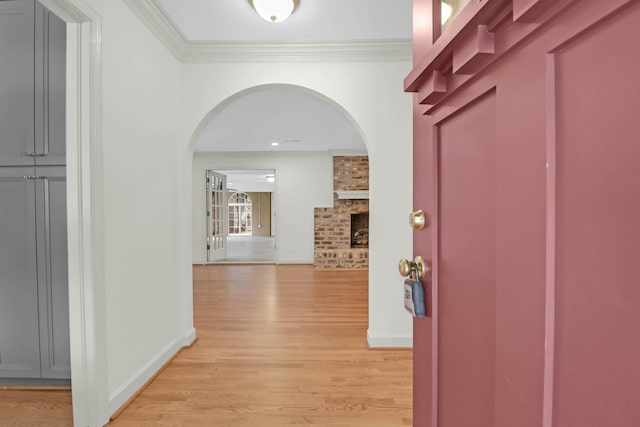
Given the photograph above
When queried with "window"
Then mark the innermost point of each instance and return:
(240, 214)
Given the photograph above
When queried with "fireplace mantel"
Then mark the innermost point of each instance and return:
(353, 194)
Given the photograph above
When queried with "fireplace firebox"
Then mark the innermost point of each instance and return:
(360, 230)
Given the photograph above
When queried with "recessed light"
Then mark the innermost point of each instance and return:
(275, 144)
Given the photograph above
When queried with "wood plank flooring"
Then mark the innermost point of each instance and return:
(22, 408)
(278, 346)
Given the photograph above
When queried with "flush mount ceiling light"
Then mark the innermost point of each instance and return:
(274, 10)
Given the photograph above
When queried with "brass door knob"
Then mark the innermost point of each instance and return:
(417, 219)
(418, 265)
(404, 267)
(422, 268)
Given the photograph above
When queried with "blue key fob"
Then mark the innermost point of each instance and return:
(414, 298)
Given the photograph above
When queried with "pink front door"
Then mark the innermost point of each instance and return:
(527, 162)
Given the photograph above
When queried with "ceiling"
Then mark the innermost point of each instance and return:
(249, 180)
(294, 118)
(230, 30)
(313, 21)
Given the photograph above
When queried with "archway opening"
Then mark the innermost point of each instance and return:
(297, 133)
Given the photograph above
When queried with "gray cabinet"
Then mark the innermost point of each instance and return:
(19, 308)
(17, 89)
(50, 84)
(32, 85)
(34, 301)
(53, 288)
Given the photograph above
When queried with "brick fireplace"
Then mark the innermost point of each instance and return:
(342, 232)
(360, 230)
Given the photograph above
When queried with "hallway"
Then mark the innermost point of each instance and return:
(278, 345)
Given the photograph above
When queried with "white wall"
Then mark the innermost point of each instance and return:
(141, 95)
(140, 176)
(304, 181)
(371, 93)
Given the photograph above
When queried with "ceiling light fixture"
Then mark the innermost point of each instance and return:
(270, 178)
(275, 144)
(275, 10)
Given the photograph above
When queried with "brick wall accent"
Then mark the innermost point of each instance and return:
(332, 242)
(350, 173)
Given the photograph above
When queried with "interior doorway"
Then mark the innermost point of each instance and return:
(241, 216)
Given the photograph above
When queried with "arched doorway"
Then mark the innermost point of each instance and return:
(295, 132)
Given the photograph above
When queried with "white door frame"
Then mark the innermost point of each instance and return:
(84, 211)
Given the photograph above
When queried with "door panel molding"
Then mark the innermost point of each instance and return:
(452, 113)
(550, 244)
(52, 273)
(557, 308)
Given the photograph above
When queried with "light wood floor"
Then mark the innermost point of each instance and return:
(278, 346)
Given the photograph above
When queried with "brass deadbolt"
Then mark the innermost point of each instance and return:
(417, 219)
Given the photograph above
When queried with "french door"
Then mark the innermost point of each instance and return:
(216, 215)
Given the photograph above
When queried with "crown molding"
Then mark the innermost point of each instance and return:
(160, 24)
(335, 51)
(163, 27)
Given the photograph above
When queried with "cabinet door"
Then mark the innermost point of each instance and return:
(16, 82)
(53, 289)
(19, 330)
(50, 78)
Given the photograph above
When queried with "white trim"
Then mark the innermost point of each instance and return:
(84, 211)
(388, 341)
(334, 51)
(294, 261)
(132, 385)
(340, 153)
(157, 20)
(189, 338)
(353, 194)
(160, 24)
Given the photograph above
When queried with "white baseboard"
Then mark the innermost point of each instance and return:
(189, 338)
(294, 261)
(388, 341)
(130, 387)
(282, 261)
